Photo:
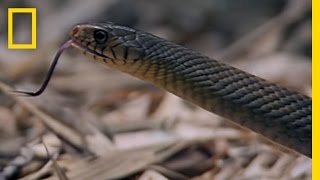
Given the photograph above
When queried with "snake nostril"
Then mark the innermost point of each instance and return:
(75, 31)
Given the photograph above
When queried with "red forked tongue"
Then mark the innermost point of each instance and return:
(50, 71)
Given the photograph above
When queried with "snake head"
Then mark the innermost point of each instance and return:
(113, 44)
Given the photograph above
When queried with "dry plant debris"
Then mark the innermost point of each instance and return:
(95, 123)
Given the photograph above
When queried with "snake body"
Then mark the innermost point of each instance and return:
(279, 114)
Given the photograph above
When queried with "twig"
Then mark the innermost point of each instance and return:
(60, 129)
(60, 173)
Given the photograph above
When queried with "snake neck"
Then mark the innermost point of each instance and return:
(275, 112)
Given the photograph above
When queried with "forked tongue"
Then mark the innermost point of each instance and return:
(50, 71)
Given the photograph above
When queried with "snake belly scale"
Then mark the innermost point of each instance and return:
(279, 114)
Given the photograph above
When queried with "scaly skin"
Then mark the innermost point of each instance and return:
(277, 113)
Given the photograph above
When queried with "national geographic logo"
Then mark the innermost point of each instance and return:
(33, 12)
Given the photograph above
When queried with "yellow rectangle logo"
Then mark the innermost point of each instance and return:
(33, 44)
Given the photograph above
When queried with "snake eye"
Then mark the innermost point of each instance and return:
(100, 36)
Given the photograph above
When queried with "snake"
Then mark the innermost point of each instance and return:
(277, 113)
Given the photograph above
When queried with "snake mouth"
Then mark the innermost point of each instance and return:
(86, 49)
